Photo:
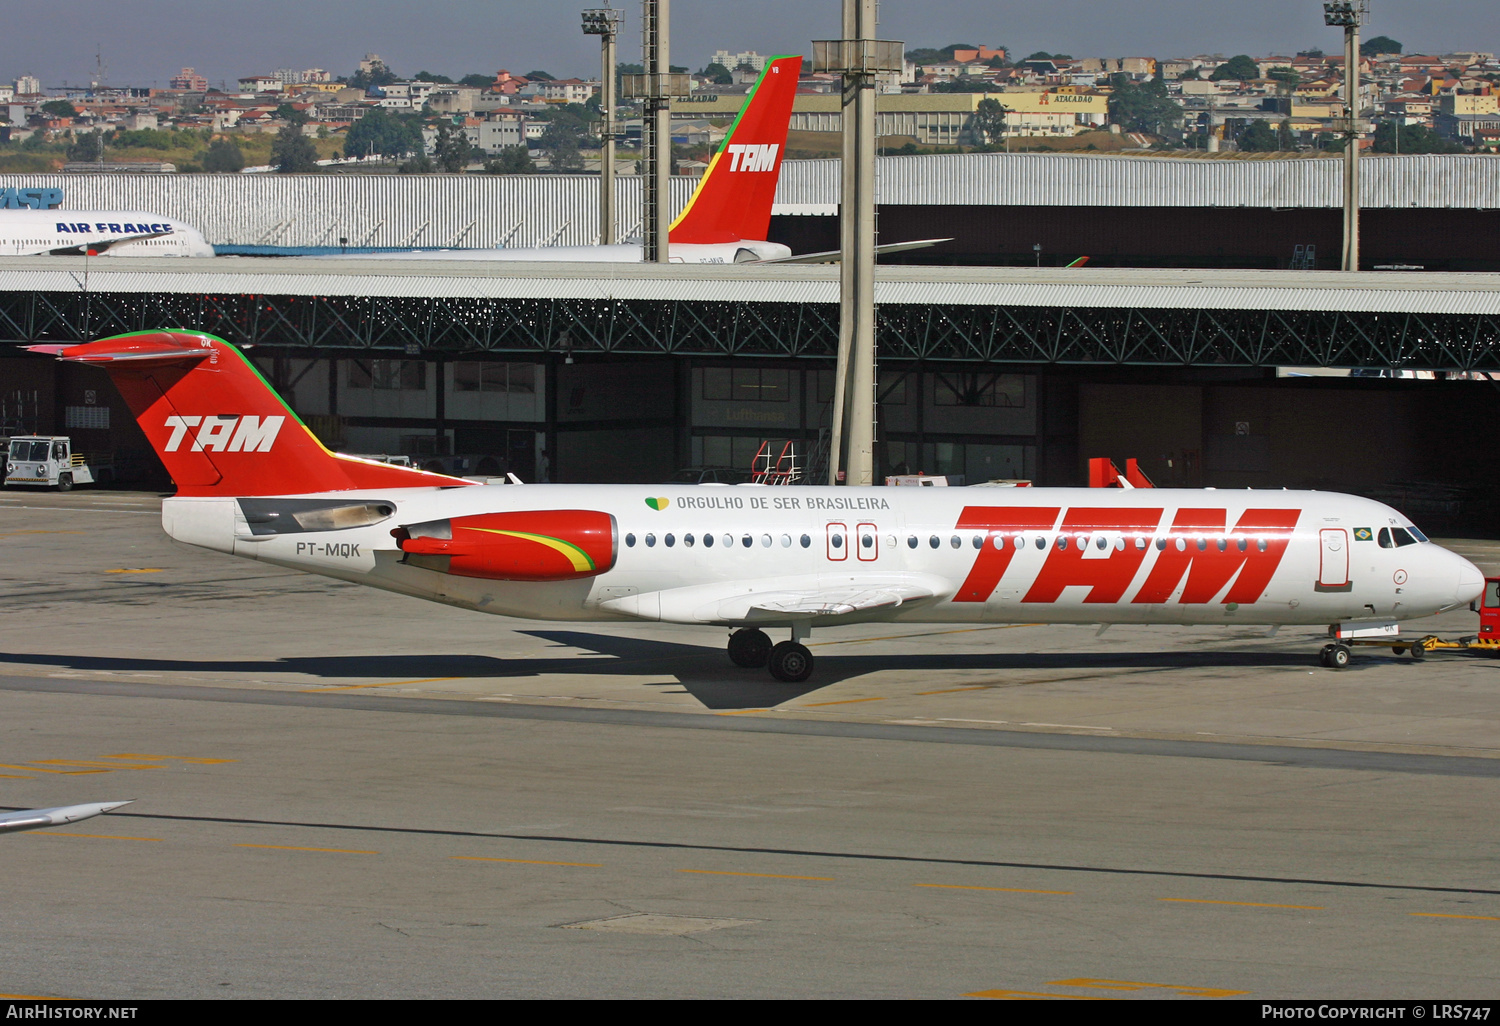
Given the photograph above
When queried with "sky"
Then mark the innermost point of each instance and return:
(144, 42)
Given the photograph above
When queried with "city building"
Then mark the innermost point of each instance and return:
(189, 81)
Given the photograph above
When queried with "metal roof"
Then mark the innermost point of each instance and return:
(1036, 179)
(532, 210)
(1368, 291)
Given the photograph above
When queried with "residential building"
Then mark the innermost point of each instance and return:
(28, 85)
(188, 80)
(730, 61)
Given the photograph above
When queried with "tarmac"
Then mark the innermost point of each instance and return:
(345, 793)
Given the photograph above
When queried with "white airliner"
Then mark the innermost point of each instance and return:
(254, 482)
(98, 233)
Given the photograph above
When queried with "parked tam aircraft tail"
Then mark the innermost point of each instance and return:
(254, 482)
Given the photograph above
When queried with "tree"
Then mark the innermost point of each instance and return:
(292, 153)
(291, 115)
(59, 109)
(540, 76)
(223, 156)
(87, 146)
(1286, 79)
(477, 81)
(1379, 45)
(452, 149)
(560, 144)
(1259, 137)
(379, 131)
(989, 120)
(427, 76)
(1413, 139)
(1240, 67)
(717, 74)
(419, 164)
(966, 84)
(378, 75)
(1143, 107)
(512, 160)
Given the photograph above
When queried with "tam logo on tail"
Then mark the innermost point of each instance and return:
(753, 157)
(727, 206)
(227, 432)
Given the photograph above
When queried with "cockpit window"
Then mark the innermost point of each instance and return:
(1418, 534)
(1385, 538)
(1401, 537)
(1397, 537)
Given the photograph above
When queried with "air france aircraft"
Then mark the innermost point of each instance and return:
(97, 233)
(254, 482)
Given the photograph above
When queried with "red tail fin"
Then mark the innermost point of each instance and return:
(219, 427)
(733, 201)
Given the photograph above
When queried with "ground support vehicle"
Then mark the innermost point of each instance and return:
(49, 461)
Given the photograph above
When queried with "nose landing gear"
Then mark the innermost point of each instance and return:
(1335, 656)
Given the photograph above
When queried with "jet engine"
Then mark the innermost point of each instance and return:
(530, 545)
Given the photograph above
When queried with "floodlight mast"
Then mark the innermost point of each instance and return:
(859, 57)
(604, 22)
(1349, 15)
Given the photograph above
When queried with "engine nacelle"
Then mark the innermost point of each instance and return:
(529, 545)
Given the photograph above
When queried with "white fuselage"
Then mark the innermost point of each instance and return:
(110, 232)
(1061, 555)
(626, 253)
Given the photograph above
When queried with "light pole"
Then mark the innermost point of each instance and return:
(658, 86)
(605, 23)
(1348, 14)
(858, 57)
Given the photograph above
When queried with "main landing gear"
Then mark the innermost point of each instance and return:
(790, 661)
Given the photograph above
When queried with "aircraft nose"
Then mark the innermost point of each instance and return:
(1470, 581)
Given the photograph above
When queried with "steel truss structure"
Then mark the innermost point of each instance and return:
(710, 328)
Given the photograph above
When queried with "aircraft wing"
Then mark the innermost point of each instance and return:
(103, 244)
(851, 597)
(62, 815)
(832, 256)
(826, 602)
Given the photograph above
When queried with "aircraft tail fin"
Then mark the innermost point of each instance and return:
(733, 200)
(217, 424)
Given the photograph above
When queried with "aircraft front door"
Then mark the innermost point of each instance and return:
(1333, 567)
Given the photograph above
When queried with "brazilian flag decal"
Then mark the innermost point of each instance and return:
(1363, 534)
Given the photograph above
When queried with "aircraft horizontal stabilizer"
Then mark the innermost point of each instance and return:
(62, 815)
(832, 256)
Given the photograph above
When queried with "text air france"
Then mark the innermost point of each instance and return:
(112, 228)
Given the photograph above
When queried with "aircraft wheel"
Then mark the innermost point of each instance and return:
(1325, 656)
(749, 647)
(791, 662)
(1418, 650)
(65, 482)
(1338, 657)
